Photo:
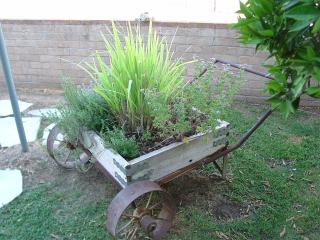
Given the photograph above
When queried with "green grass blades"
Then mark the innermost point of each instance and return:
(135, 67)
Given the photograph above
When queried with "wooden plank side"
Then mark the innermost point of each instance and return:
(109, 160)
(221, 130)
(166, 160)
(172, 160)
(159, 163)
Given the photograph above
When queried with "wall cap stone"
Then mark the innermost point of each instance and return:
(99, 22)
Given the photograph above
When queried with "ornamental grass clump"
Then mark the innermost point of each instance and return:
(135, 68)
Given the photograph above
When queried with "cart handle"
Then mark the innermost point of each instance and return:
(265, 75)
(245, 137)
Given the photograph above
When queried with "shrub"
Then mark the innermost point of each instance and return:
(290, 31)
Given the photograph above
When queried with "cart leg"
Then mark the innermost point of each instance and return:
(225, 166)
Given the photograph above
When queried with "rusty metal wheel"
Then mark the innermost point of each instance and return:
(65, 153)
(142, 210)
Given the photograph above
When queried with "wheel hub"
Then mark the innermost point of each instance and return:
(140, 212)
(70, 146)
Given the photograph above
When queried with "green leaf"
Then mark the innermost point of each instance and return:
(316, 73)
(313, 92)
(307, 54)
(266, 33)
(275, 101)
(267, 4)
(286, 107)
(298, 25)
(243, 22)
(257, 8)
(298, 86)
(290, 4)
(316, 27)
(310, 53)
(275, 86)
(245, 10)
(303, 13)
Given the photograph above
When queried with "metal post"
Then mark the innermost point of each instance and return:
(12, 92)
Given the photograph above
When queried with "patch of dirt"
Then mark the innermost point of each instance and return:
(311, 110)
(29, 163)
(38, 168)
(206, 193)
(295, 139)
(276, 163)
(225, 209)
(40, 98)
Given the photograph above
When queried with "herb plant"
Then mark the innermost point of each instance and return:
(290, 31)
(82, 109)
(197, 107)
(117, 140)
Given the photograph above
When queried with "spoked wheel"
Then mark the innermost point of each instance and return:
(142, 210)
(65, 153)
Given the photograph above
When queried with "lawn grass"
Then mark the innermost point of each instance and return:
(276, 173)
(279, 169)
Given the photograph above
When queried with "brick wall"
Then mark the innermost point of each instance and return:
(42, 52)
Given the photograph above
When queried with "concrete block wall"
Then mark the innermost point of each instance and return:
(43, 52)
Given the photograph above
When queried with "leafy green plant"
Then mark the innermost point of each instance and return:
(125, 146)
(86, 110)
(82, 109)
(134, 68)
(290, 31)
(197, 107)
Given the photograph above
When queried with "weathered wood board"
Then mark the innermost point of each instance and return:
(157, 164)
(109, 159)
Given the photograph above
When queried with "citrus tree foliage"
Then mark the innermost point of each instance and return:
(290, 31)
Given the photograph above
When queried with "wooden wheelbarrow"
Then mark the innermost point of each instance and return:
(142, 206)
